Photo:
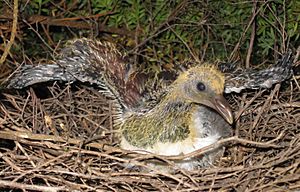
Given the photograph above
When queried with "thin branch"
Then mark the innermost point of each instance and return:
(13, 32)
(15, 185)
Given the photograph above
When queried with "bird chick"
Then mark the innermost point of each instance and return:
(191, 115)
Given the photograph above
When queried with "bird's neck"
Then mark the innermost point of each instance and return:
(172, 107)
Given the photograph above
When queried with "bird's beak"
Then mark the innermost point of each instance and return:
(220, 104)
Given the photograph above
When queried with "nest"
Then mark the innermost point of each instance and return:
(60, 138)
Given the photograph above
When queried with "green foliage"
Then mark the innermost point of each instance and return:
(275, 26)
(213, 27)
(226, 23)
(38, 6)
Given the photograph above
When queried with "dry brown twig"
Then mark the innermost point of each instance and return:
(13, 33)
(15, 185)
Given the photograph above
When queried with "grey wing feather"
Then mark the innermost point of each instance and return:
(77, 61)
(86, 60)
(253, 79)
(30, 75)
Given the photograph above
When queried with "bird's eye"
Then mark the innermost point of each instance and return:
(200, 86)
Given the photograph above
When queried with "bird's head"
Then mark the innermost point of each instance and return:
(203, 85)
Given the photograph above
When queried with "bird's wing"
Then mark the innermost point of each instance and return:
(30, 75)
(256, 79)
(101, 63)
(91, 61)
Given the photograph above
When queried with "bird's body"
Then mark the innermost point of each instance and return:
(193, 128)
(190, 114)
(182, 121)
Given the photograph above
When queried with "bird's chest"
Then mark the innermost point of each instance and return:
(205, 127)
(206, 122)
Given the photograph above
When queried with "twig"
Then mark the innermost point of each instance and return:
(9, 162)
(13, 32)
(253, 32)
(71, 22)
(213, 146)
(266, 105)
(18, 135)
(248, 103)
(244, 33)
(22, 186)
(186, 45)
